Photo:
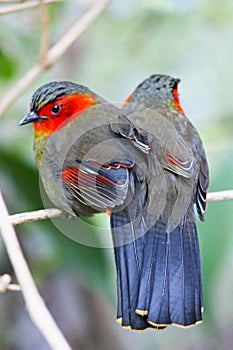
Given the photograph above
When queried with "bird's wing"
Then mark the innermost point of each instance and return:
(202, 187)
(98, 185)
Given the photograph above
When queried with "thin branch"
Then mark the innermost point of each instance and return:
(75, 31)
(7, 1)
(34, 303)
(22, 218)
(5, 284)
(220, 196)
(44, 44)
(24, 6)
(53, 55)
(4, 1)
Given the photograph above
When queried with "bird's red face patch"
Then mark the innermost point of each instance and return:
(61, 112)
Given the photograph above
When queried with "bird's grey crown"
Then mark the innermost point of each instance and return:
(158, 86)
(50, 92)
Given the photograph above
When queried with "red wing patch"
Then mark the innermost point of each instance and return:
(100, 186)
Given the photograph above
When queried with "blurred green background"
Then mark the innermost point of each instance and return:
(192, 40)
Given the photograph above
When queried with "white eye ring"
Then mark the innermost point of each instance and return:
(56, 109)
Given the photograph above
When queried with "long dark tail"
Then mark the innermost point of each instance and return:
(158, 274)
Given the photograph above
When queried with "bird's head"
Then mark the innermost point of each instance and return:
(155, 90)
(55, 104)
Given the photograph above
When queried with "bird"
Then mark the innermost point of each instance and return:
(145, 165)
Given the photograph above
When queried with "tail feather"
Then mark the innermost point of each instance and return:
(158, 276)
(158, 307)
(128, 260)
(196, 262)
(181, 283)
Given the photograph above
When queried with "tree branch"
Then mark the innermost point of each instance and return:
(34, 303)
(24, 6)
(5, 284)
(22, 218)
(7, 1)
(44, 44)
(220, 196)
(53, 55)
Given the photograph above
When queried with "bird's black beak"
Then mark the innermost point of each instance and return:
(30, 118)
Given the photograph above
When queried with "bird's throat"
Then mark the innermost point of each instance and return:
(40, 141)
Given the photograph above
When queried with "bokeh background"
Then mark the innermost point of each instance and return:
(192, 40)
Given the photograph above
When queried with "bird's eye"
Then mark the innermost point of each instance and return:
(56, 109)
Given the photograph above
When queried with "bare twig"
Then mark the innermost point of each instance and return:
(5, 284)
(220, 196)
(44, 44)
(22, 218)
(18, 219)
(35, 304)
(7, 1)
(75, 31)
(24, 6)
(53, 54)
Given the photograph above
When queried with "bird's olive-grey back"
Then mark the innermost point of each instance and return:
(52, 91)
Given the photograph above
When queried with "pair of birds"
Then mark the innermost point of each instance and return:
(145, 164)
